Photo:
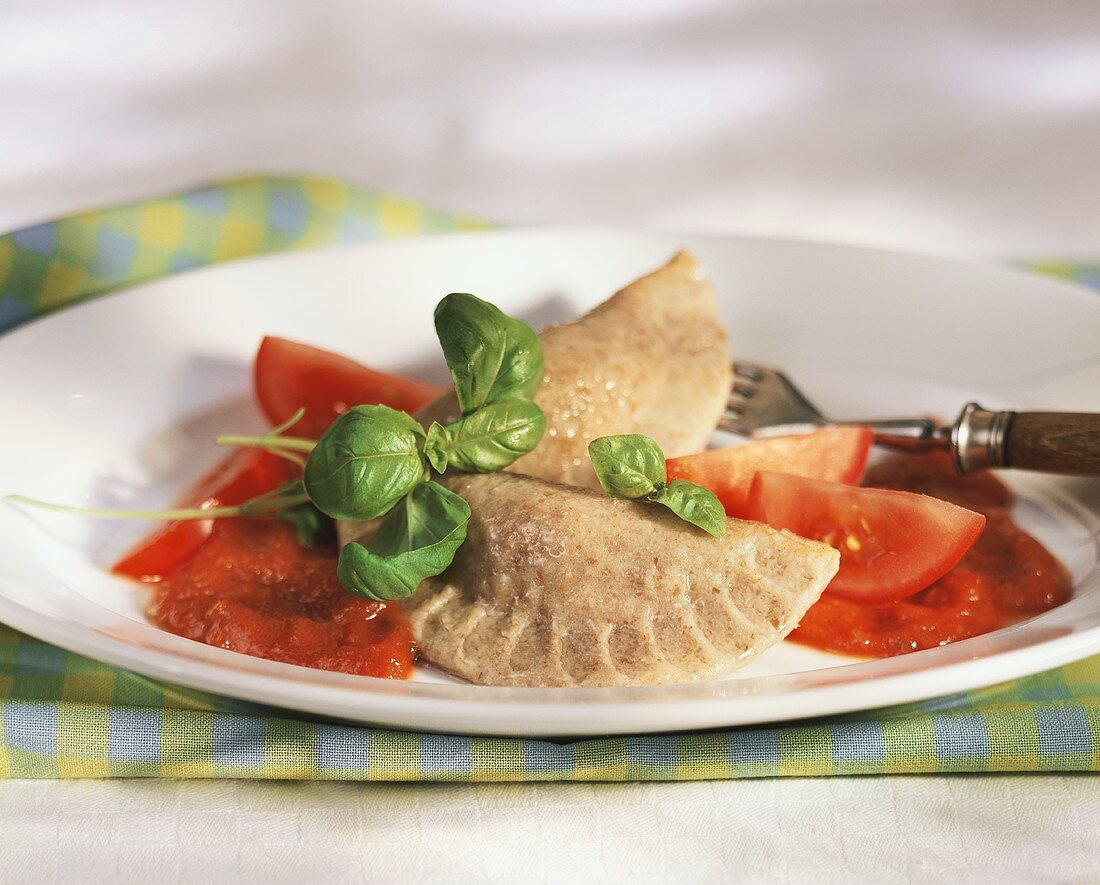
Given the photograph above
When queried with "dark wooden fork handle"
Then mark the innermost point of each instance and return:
(1058, 442)
(1053, 442)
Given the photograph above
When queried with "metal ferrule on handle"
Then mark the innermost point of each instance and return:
(978, 438)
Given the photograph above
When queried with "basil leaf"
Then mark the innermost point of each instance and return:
(367, 460)
(492, 356)
(313, 528)
(436, 446)
(417, 539)
(695, 504)
(628, 466)
(495, 436)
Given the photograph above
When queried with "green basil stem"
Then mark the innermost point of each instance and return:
(297, 460)
(280, 429)
(274, 442)
(270, 443)
(260, 506)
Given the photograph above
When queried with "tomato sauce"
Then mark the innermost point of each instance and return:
(1005, 577)
(252, 589)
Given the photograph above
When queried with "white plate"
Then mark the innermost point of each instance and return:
(115, 403)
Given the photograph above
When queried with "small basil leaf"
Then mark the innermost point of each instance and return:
(695, 504)
(492, 356)
(436, 446)
(417, 539)
(313, 528)
(628, 466)
(495, 436)
(365, 463)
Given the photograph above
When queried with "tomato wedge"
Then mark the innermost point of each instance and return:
(243, 475)
(837, 454)
(289, 376)
(891, 543)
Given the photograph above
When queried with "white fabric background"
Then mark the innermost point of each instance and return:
(941, 125)
(950, 126)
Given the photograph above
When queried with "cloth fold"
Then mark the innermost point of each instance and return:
(62, 715)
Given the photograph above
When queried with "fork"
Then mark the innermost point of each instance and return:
(764, 402)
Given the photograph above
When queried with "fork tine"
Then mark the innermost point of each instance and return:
(748, 371)
(761, 398)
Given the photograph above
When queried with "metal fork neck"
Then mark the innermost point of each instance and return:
(909, 435)
(976, 440)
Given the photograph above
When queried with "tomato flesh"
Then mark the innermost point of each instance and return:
(837, 454)
(892, 544)
(289, 376)
(242, 475)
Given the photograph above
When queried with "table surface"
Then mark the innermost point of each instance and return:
(973, 828)
(945, 126)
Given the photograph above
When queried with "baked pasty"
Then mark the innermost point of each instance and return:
(559, 586)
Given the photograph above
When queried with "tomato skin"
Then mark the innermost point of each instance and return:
(892, 544)
(244, 474)
(288, 375)
(838, 454)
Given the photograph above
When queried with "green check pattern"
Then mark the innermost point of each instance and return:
(65, 716)
(58, 263)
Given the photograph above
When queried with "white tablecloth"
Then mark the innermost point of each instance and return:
(826, 830)
(951, 126)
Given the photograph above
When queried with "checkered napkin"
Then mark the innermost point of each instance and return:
(62, 715)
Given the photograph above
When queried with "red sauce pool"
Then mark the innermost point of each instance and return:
(252, 589)
(1005, 577)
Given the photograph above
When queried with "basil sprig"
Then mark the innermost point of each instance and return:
(374, 461)
(633, 466)
(418, 539)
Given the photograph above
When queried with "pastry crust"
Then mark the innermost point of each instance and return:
(559, 586)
